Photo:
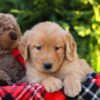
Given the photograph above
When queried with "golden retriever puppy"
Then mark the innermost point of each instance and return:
(51, 58)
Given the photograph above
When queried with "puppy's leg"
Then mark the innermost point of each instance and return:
(74, 77)
(52, 84)
(72, 85)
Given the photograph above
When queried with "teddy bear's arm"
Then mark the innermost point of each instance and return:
(24, 79)
(4, 78)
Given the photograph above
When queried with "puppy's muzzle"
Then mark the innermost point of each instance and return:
(47, 66)
(13, 35)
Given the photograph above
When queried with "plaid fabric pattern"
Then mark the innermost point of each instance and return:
(90, 89)
(22, 92)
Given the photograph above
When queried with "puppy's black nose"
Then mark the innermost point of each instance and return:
(47, 66)
(13, 35)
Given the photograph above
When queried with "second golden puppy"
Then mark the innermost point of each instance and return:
(51, 58)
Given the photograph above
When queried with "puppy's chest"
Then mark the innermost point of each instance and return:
(11, 66)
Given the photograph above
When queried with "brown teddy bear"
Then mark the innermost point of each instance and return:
(11, 71)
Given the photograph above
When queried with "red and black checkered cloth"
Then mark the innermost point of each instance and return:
(24, 91)
(90, 88)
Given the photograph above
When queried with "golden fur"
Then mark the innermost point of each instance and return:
(47, 43)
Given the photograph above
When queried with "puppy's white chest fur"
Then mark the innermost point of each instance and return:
(33, 75)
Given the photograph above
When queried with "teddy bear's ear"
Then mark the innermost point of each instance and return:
(15, 24)
(10, 16)
(24, 45)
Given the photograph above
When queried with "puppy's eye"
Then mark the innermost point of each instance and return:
(57, 48)
(38, 47)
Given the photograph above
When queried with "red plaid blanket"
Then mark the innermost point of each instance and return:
(22, 92)
(90, 88)
(28, 92)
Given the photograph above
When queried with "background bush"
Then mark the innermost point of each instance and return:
(81, 17)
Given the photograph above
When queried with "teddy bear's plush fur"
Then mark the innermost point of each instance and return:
(10, 69)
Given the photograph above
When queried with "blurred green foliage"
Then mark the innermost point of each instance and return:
(81, 17)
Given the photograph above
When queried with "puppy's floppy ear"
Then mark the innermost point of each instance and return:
(71, 48)
(24, 45)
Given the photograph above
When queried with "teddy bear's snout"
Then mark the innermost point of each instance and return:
(13, 35)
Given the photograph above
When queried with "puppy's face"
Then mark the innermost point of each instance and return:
(47, 51)
(44, 47)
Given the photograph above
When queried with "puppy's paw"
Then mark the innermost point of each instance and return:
(52, 84)
(72, 87)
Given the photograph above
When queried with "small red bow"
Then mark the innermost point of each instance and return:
(97, 80)
(18, 57)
